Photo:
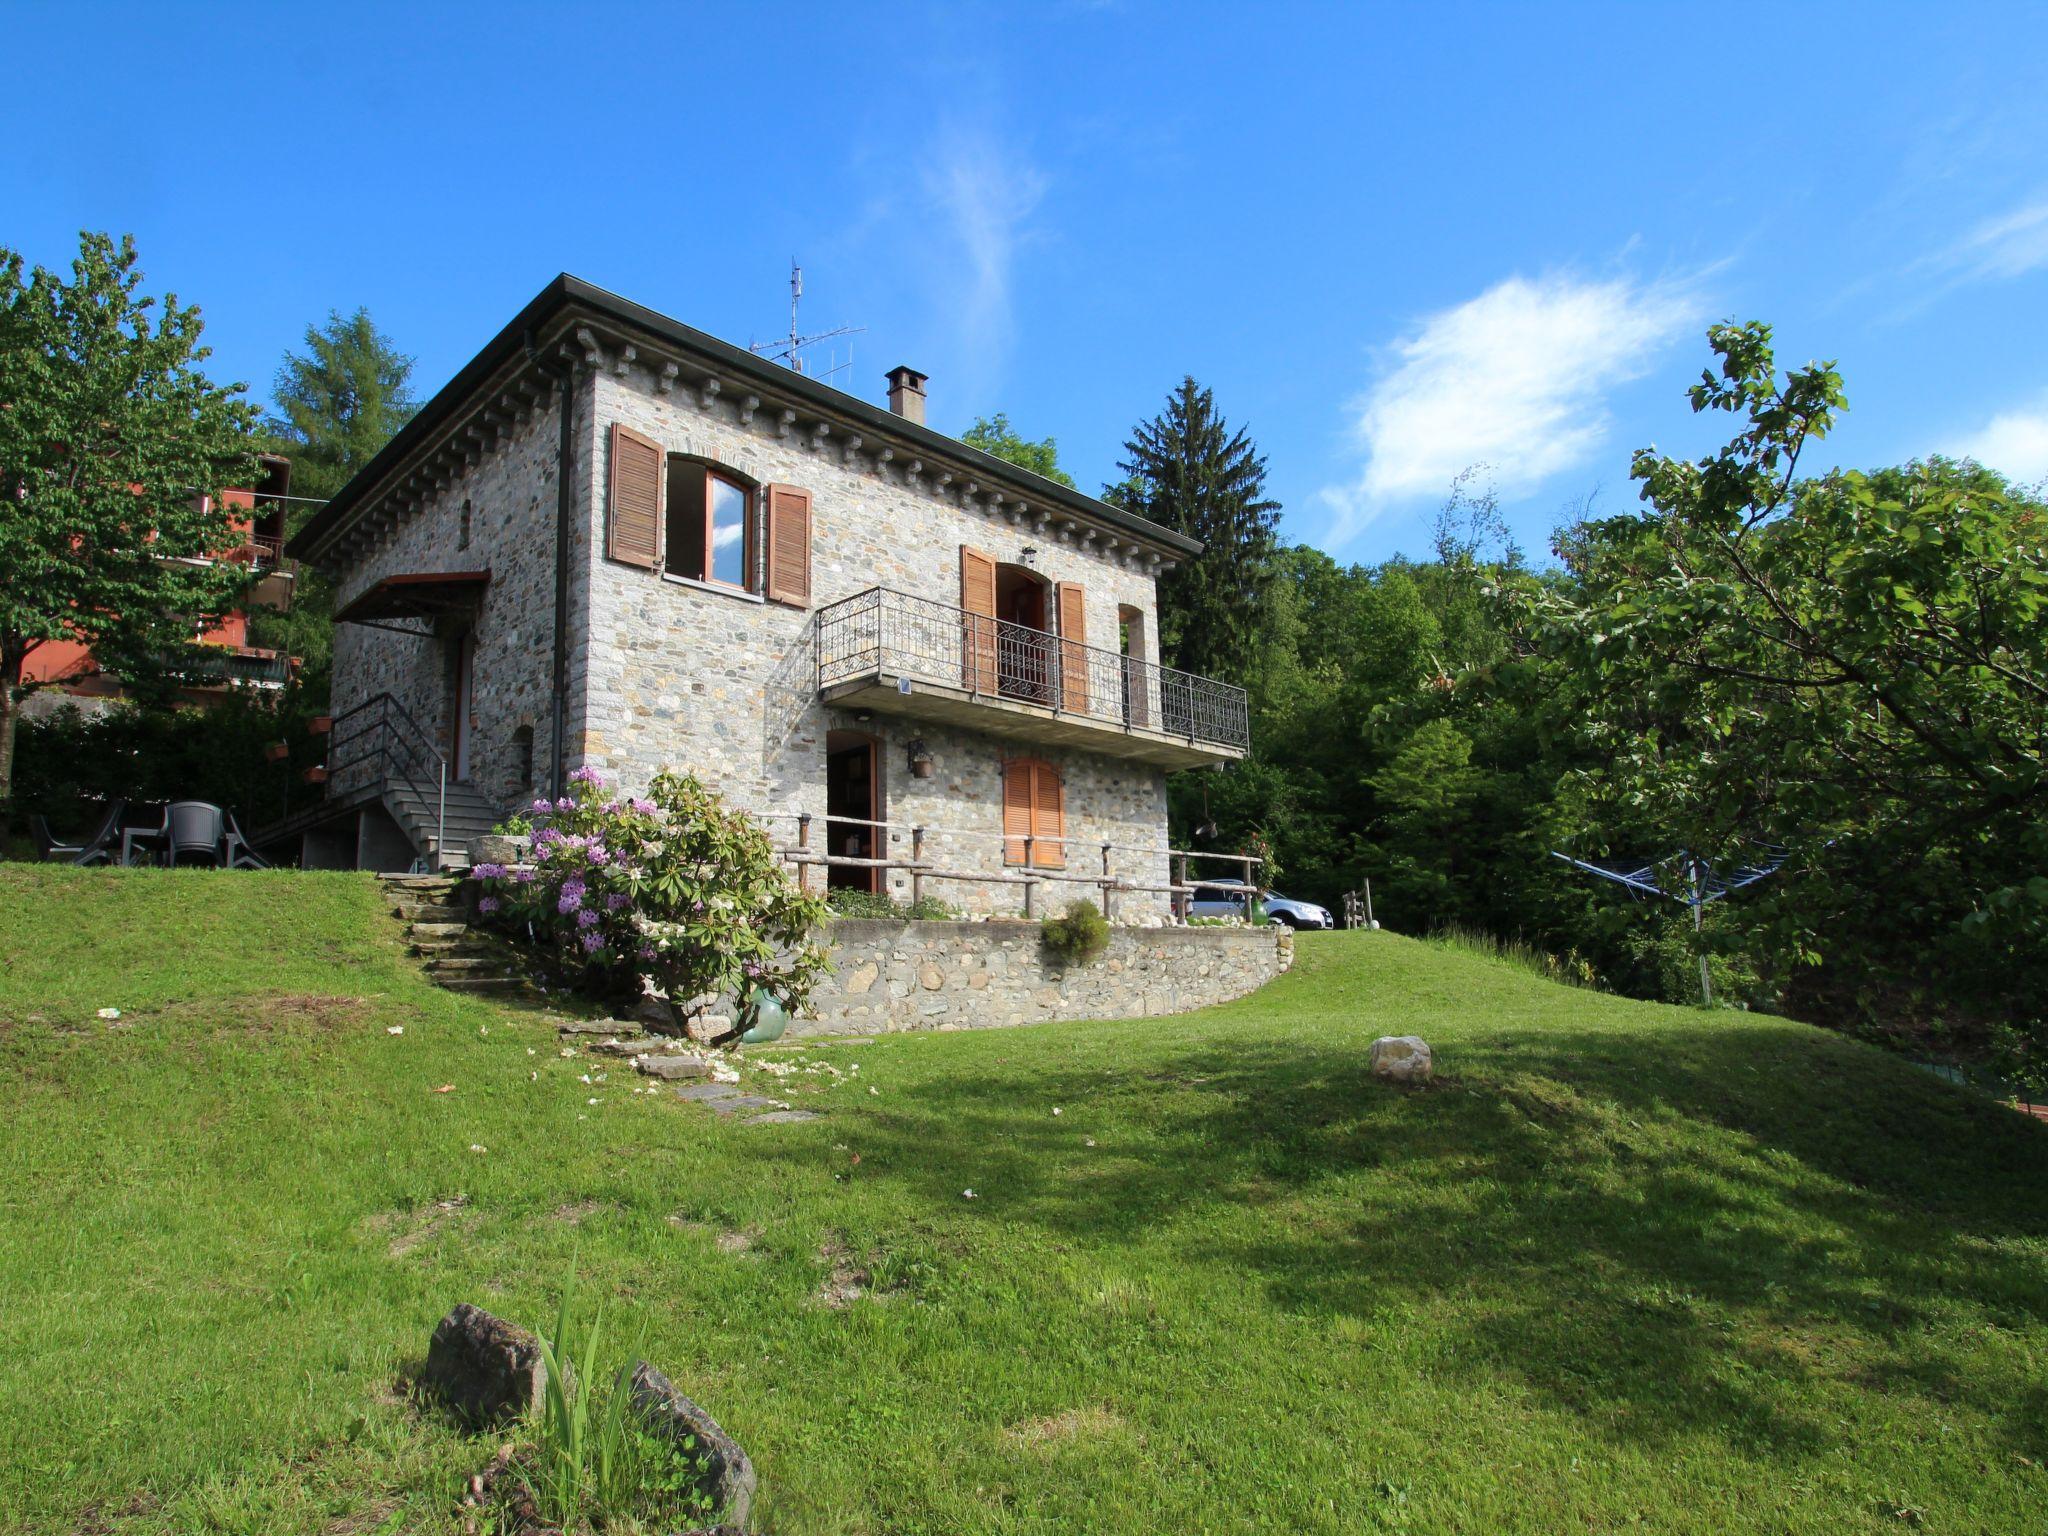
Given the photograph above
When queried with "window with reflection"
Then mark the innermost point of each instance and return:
(711, 517)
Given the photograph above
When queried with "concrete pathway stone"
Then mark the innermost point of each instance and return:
(708, 1091)
(742, 1101)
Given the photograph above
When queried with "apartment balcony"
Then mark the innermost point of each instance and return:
(895, 653)
(221, 666)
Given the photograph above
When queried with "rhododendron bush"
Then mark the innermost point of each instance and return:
(675, 888)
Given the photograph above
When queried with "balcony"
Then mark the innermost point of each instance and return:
(220, 666)
(898, 654)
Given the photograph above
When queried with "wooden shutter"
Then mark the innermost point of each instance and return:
(1034, 806)
(1048, 818)
(789, 544)
(978, 599)
(1073, 647)
(635, 534)
(1018, 800)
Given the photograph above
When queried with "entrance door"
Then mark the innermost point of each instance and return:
(458, 727)
(853, 803)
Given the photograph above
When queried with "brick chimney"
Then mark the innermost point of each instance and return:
(906, 394)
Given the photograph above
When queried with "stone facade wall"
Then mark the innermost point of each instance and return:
(667, 673)
(897, 976)
(724, 685)
(512, 506)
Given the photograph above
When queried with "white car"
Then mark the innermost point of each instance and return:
(1221, 901)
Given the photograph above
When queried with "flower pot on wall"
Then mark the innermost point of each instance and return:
(278, 752)
(315, 775)
(319, 725)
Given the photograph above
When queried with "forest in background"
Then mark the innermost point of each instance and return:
(1842, 675)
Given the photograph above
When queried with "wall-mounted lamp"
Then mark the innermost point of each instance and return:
(1030, 556)
(920, 760)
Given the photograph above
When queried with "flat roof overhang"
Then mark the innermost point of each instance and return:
(885, 693)
(417, 595)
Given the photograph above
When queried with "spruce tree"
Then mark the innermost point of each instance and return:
(339, 402)
(1186, 469)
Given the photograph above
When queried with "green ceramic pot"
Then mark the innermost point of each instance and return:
(770, 1020)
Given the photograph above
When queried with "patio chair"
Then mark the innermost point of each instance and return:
(237, 849)
(193, 829)
(95, 849)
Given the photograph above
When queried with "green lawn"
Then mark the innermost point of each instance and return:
(1623, 1267)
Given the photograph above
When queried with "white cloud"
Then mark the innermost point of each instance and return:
(2015, 443)
(1515, 379)
(2010, 245)
(985, 192)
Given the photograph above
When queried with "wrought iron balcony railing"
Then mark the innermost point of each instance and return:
(214, 666)
(883, 632)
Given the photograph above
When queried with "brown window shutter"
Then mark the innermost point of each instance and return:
(1073, 647)
(1048, 818)
(1018, 802)
(978, 598)
(789, 544)
(635, 534)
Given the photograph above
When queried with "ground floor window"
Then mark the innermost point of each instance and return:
(1034, 809)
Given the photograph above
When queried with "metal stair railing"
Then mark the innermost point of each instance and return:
(378, 741)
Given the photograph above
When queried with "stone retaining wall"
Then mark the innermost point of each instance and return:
(895, 975)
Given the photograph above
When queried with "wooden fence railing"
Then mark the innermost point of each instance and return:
(1179, 887)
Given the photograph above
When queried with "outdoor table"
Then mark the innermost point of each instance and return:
(133, 837)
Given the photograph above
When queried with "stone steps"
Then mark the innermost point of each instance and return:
(436, 919)
(430, 912)
(457, 965)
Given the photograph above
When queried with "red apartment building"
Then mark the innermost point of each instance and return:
(68, 672)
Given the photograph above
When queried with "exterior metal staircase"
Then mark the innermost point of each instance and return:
(378, 754)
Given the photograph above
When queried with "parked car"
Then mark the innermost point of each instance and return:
(1222, 901)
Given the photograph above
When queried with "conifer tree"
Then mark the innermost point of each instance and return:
(339, 402)
(1188, 470)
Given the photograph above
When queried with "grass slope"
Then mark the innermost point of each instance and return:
(1623, 1267)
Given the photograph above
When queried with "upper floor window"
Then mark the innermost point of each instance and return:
(711, 525)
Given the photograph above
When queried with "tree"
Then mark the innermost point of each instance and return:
(1852, 665)
(1187, 470)
(114, 451)
(340, 401)
(994, 435)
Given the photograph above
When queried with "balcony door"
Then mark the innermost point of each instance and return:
(1024, 655)
(853, 802)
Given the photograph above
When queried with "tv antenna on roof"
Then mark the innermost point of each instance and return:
(790, 349)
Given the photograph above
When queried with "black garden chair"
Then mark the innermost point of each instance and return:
(236, 849)
(194, 831)
(101, 847)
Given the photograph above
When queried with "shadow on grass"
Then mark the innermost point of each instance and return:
(1703, 1227)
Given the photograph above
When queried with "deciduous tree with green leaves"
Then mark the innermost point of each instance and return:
(1188, 470)
(995, 436)
(115, 448)
(1854, 665)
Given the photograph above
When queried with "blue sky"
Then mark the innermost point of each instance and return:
(1396, 241)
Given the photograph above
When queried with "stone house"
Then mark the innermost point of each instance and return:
(617, 542)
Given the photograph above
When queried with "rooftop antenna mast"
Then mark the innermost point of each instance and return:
(790, 349)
